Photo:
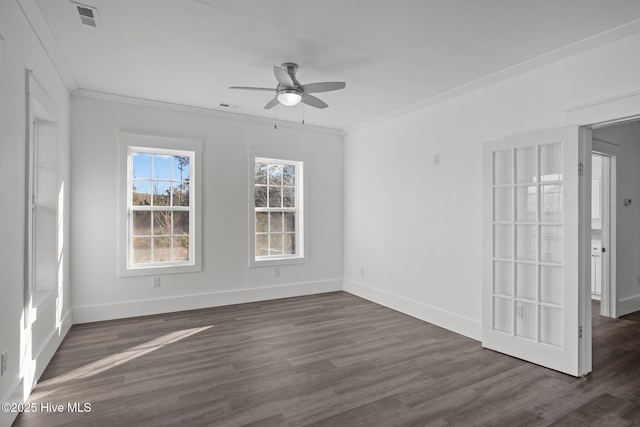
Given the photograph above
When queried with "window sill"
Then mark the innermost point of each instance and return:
(253, 263)
(160, 270)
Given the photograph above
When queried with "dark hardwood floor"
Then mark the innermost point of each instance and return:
(323, 360)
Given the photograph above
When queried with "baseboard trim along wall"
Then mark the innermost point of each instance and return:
(628, 305)
(428, 313)
(96, 313)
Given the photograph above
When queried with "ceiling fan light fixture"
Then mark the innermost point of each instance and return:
(289, 97)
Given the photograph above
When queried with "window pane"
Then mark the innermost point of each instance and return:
(262, 244)
(261, 173)
(275, 244)
(181, 248)
(502, 167)
(290, 243)
(289, 175)
(275, 197)
(526, 281)
(526, 242)
(275, 174)
(262, 225)
(161, 223)
(289, 221)
(141, 250)
(502, 241)
(161, 193)
(551, 205)
(551, 244)
(526, 204)
(181, 193)
(141, 164)
(551, 284)
(549, 331)
(260, 195)
(503, 278)
(141, 194)
(275, 221)
(526, 320)
(551, 162)
(502, 314)
(502, 204)
(526, 165)
(288, 197)
(141, 223)
(161, 166)
(180, 223)
(161, 249)
(181, 168)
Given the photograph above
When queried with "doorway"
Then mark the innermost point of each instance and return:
(603, 220)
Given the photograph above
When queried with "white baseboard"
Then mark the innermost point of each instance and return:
(42, 357)
(445, 319)
(96, 313)
(45, 353)
(628, 305)
(14, 396)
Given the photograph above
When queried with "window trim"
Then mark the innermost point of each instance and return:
(128, 141)
(302, 185)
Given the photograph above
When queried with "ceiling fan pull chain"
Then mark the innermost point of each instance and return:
(303, 114)
(275, 119)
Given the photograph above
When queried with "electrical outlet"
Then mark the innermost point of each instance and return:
(156, 281)
(3, 363)
(276, 272)
(436, 159)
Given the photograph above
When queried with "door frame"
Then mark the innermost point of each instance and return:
(603, 112)
(609, 290)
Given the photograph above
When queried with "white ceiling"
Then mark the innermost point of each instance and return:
(391, 53)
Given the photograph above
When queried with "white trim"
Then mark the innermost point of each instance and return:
(608, 36)
(95, 313)
(127, 139)
(628, 305)
(130, 100)
(43, 32)
(457, 323)
(302, 195)
(604, 112)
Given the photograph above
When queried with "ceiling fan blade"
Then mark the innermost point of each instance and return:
(313, 101)
(272, 103)
(265, 89)
(323, 87)
(283, 77)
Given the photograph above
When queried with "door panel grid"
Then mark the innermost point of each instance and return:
(528, 242)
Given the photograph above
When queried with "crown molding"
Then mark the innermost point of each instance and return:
(43, 32)
(592, 42)
(104, 96)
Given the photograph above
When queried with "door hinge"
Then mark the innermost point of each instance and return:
(580, 170)
(579, 331)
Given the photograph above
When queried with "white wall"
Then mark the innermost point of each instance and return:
(29, 348)
(627, 137)
(413, 227)
(99, 293)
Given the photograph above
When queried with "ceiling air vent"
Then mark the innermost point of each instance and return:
(88, 14)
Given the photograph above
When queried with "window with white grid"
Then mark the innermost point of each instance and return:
(277, 200)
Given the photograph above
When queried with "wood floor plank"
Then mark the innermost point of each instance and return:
(324, 360)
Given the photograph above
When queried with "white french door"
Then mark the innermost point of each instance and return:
(533, 248)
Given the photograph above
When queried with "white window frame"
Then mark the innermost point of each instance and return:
(257, 154)
(132, 142)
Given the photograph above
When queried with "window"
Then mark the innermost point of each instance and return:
(278, 230)
(160, 221)
(159, 207)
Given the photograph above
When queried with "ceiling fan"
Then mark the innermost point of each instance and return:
(290, 92)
